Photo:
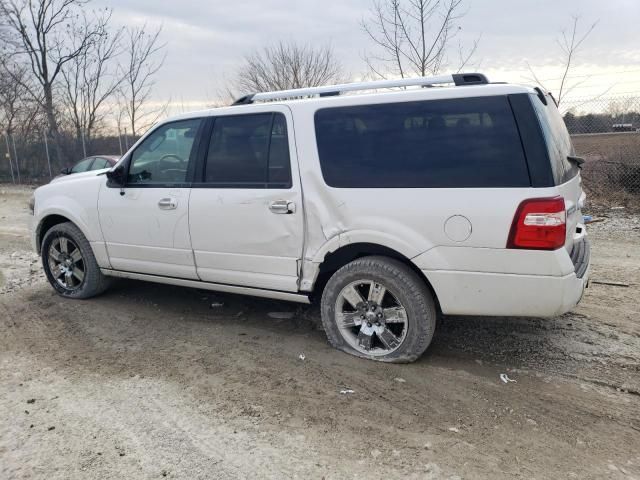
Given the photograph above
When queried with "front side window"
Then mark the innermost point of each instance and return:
(100, 163)
(452, 143)
(163, 157)
(249, 151)
(82, 165)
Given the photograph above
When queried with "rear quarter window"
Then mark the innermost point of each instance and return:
(452, 143)
(557, 138)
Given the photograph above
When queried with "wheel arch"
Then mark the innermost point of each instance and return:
(336, 259)
(49, 221)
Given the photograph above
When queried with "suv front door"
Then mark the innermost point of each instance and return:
(146, 223)
(245, 213)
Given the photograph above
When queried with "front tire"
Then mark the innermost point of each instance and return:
(69, 263)
(378, 308)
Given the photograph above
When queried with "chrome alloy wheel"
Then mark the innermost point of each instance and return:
(370, 318)
(66, 263)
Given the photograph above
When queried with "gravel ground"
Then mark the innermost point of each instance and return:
(153, 381)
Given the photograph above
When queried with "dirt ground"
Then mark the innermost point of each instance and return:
(152, 381)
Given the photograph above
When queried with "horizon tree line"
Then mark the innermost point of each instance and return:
(66, 70)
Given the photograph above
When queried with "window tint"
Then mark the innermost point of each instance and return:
(99, 163)
(82, 165)
(469, 142)
(557, 139)
(250, 151)
(164, 155)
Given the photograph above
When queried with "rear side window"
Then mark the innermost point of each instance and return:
(249, 151)
(468, 142)
(557, 139)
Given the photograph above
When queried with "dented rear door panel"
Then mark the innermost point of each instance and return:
(244, 236)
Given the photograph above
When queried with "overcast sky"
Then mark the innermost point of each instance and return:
(207, 39)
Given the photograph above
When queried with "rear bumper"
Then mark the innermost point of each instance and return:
(500, 294)
(494, 294)
(581, 256)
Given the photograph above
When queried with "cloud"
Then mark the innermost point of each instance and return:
(206, 40)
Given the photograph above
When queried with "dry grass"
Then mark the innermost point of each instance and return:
(612, 170)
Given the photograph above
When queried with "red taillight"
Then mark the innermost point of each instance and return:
(539, 224)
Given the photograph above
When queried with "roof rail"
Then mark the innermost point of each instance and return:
(458, 79)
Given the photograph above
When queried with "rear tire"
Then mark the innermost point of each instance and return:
(380, 309)
(69, 263)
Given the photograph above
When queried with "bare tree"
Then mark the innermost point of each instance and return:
(287, 65)
(18, 109)
(43, 28)
(12, 95)
(620, 109)
(570, 43)
(414, 37)
(89, 80)
(144, 58)
(20, 118)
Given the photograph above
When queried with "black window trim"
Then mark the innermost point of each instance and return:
(200, 170)
(193, 158)
(532, 138)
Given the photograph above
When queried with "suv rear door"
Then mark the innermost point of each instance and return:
(245, 213)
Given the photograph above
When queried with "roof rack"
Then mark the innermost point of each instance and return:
(458, 79)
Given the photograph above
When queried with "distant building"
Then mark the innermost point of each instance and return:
(623, 127)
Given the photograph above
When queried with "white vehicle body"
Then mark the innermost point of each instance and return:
(273, 242)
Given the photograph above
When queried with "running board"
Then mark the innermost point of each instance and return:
(216, 287)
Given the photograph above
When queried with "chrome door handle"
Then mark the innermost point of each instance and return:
(168, 204)
(282, 207)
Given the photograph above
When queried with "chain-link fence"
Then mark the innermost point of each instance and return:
(606, 132)
(31, 158)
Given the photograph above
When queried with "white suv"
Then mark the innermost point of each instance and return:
(390, 208)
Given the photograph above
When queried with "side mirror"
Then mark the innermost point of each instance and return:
(116, 177)
(65, 171)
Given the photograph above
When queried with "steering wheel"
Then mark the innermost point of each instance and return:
(170, 161)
